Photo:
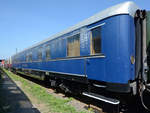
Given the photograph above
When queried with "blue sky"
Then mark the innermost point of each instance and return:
(26, 22)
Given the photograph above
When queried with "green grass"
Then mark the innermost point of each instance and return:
(55, 104)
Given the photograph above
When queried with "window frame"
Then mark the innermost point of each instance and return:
(92, 47)
(47, 49)
(29, 57)
(40, 54)
(72, 38)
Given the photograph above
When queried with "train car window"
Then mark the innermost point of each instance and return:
(73, 46)
(40, 54)
(15, 60)
(95, 40)
(29, 57)
(47, 52)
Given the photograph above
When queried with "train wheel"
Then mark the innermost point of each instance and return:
(46, 81)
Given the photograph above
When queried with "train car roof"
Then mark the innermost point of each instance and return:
(128, 7)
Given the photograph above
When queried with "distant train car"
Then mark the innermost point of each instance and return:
(105, 53)
(2, 63)
(8, 63)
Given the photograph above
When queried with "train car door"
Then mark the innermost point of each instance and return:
(95, 64)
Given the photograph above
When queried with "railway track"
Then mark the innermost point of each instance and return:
(95, 105)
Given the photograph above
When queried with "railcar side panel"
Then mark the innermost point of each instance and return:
(117, 35)
(113, 64)
(70, 67)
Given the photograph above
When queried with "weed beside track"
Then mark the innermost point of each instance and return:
(52, 103)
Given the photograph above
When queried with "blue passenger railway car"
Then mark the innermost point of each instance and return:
(104, 53)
